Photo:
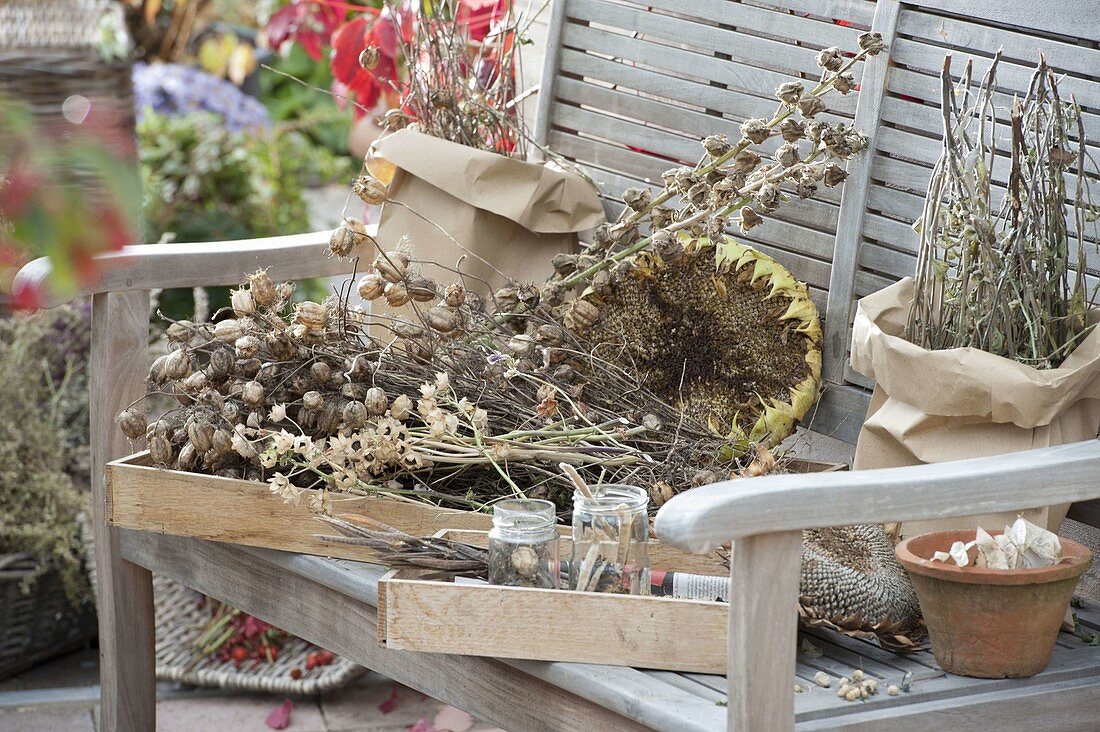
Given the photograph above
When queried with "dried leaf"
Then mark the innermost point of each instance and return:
(387, 706)
(279, 718)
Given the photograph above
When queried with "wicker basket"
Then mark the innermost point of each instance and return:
(39, 624)
(180, 619)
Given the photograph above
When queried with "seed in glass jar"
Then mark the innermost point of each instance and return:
(525, 561)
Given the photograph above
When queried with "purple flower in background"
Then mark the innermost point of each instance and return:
(172, 89)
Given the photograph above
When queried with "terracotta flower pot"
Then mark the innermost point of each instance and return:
(990, 623)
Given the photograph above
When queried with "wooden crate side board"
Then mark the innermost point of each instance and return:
(549, 625)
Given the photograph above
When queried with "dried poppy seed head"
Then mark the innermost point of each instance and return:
(755, 130)
(811, 106)
(716, 145)
(834, 175)
(745, 161)
(636, 198)
(790, 92)
(788, 154)
(844, 83)
(871, 43)
(830, 59)
(792, 129)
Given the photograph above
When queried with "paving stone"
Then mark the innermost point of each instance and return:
(356, 707)
(244, 713)
(45, 719)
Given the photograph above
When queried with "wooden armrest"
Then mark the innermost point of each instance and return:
(149, 266)
(703, 518)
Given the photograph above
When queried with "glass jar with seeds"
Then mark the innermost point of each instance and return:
(523, 545)
(610, 530)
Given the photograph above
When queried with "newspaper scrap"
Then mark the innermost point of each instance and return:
(1023, 545)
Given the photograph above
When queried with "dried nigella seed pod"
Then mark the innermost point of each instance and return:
(201, 435)
(441, 319)
(355, 392)
(375, 401)
(222, 442)
(355, 414)
(220, 364)
(252, 393)
(369, 189)
(580, 315)
(177, 365)
(421, 289)
(160, 450)
(132, 423)
(242, 302)
(263, 289)
(313, 400)
(507, 299)
(247, 346)
(397, 294)
(195, 382)
(187, 458)
(528, 294)
(347, 237)
(311, 315)
(182, 331)
(392, 265)
(228, 330)
(247, 367)
(372, 286)
(520, 345)
(455, 295)
(405, 329)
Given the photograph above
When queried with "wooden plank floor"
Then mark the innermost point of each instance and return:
(1065, 696)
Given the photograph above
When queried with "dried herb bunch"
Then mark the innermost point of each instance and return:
(1003, 269)
(450, 405)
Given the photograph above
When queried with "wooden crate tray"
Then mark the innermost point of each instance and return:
(140, 496)
(416, 614)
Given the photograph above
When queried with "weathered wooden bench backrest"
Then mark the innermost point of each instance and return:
(629, 90)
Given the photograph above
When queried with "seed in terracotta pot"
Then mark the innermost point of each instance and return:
(313, 400)
(253, 394)
(376, 401)
(372, 286)
(421, 289)
(201, 435)
(187, 457)
(177, 366)
(396, 294)
(228, 330)
(392, 265)
(247, 346)
(455, 295)
(355, 414)
(160, 449)
(132, 423)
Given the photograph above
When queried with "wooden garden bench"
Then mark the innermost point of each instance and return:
(628, 90)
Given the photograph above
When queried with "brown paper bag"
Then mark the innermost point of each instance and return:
(506, 214)
(936, 406)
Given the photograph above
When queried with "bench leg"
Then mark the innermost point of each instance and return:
(119, 360)
(763, 631)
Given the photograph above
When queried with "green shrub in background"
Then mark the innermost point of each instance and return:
(308, 109)
(44, 440)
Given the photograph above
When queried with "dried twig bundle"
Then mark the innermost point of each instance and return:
(1004, 270)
